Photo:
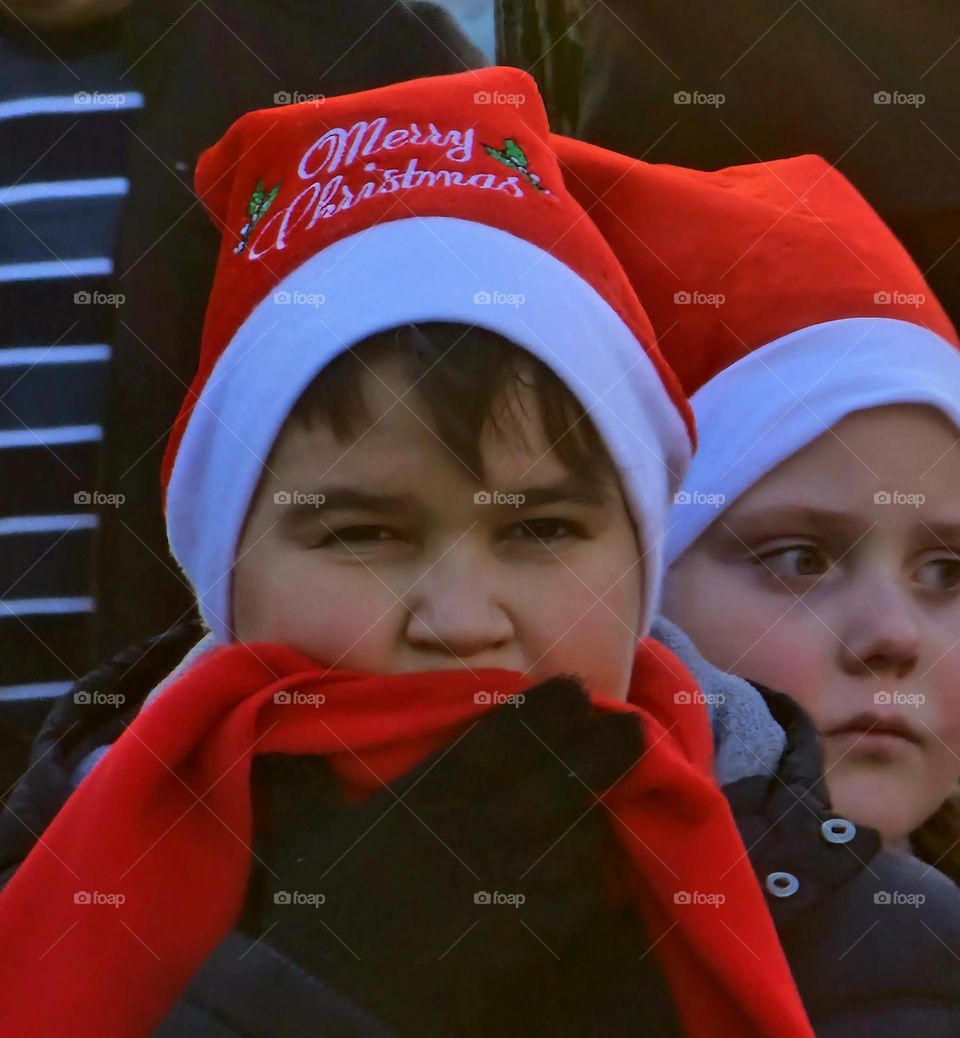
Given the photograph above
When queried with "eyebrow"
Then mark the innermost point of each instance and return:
(948, 532)
(797, 515)
(569, 490)
(825, 518)
(341, 497)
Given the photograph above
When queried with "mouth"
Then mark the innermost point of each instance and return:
(872, 726)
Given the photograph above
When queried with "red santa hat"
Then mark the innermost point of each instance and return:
(434, 200)
(781, 300)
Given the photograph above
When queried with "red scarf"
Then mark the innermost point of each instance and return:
(165, 822)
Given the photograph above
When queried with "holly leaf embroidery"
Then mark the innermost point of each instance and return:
(515, 152)
(514, 156)
(260, 202)
(256, 199)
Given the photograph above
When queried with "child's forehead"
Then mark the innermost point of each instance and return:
(891, 438)
(396, 437)
(399, 448)
(869, 457)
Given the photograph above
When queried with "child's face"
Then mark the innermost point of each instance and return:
(827, 581)
(402, 570)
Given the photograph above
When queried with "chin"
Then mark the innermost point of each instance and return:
(877, 803)
(609, 686)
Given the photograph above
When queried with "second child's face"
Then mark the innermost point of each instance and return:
(836, 579)
(403, 568)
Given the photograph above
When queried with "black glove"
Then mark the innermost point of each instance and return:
(432, 899)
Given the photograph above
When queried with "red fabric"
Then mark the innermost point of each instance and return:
(725, 262)
(165, 821)
(281, 146)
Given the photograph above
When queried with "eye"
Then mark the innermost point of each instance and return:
(794, 561)
(357, 537)
(547, 529)
(942, 574)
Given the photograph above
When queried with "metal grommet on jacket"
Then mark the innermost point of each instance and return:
(782, 884)
(838, 830)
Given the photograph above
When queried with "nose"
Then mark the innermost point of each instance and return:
(454, 609)
(881, 635)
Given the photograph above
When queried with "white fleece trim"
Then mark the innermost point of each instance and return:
(413, 270)
(776, 400)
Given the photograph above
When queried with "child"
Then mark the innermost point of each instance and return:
(813, 542)
(424, 465)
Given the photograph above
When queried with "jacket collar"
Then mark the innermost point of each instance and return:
(747, 740)
(801, 850)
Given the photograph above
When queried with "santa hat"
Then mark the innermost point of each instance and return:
(434, 200)
(780, 299)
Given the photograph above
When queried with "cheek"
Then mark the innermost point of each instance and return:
(293, 606)
(793, 657)
(586, 624)
(770, 639)
(943, 771)
(941, 710)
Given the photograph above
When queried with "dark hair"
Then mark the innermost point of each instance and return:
(462, 373)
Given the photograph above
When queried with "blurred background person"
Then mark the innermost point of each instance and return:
(105, 263)
(63, 105)
(870, 87)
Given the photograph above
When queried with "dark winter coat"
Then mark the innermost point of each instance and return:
(872, 936)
